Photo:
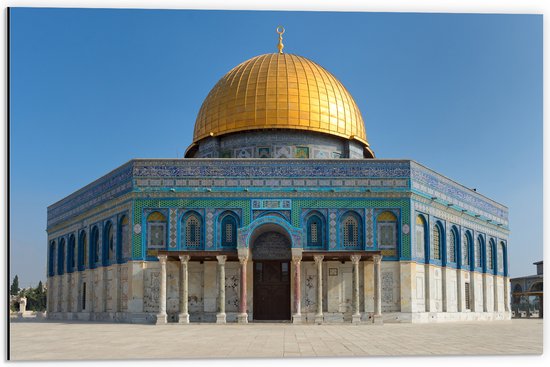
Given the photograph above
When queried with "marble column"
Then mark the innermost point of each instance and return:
(356, 317)
(242, 317)
(220, 316)
(377, 318)
(319, 264)
(184, 289)
(297, 316)
(162, 318)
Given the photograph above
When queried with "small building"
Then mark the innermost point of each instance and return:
(527, 294)
(279, 211)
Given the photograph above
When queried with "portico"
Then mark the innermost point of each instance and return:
(299, 257)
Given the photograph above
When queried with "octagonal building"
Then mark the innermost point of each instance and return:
(279, 211)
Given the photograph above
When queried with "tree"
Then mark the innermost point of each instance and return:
(36, 298)
(14, 289)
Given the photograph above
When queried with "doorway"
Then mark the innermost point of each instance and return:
(272, 290)
(271, 298)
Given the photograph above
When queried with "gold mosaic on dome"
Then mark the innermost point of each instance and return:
(279, 91)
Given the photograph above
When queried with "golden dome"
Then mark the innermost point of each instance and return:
(280, 91)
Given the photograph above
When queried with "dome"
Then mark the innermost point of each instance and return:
(280, 91)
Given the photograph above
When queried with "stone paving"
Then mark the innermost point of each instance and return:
(47, 340)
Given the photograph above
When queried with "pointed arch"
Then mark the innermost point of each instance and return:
(94, 247)
(71, 254)
(351, 230)
(452, 246)
(192, 231)
(467, 245)
(82, 250)
(315, 230)
(123, 238)
(420, 236)
(229, 223)
(386, 230)
(437, 242)
(490, 255)
(108, 243)
(51, 259)
(478, 252)
(61, 257)
(156, 231)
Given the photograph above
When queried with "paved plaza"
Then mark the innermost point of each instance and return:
(94, 341)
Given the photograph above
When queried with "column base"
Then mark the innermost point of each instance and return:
(242, 318)
(220, 318)
(356, 319)
(162, 318)
(183, 318)
(377, 320)
(319, 319)
(297, 318)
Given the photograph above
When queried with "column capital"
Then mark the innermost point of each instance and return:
(162, 259)
(377, 259)
(296, 259)
(243, 259)
(221, 259)
(184, 258)
(318, 258)
(355, 259)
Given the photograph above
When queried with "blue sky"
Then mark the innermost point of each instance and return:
(91, 89)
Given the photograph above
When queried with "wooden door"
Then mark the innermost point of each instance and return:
(272, 290)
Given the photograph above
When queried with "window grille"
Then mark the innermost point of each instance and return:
(490, 255)
(229, 231)
(193, 231)
(313, 228)
(436, 250)
(465, 250)
(351, 232)
(452, 247)
(420, 236)
(500, 259)
(477, 253)
(84, 250)
(315, 231)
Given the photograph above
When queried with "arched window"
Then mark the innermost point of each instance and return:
(94, 247)
(51, 260)
(61, 257)
(452, 246)
(156, 231)
(71, 254)
(108, 243)
(124, 239)
(420, 236)
(386, 229)
(489, 252)
(229, 231)
(82, 251)
(351, 230)
(436, 243)
(466, 244)
(477, 253)
(315, 231)
(192, 230)
(500, 257)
